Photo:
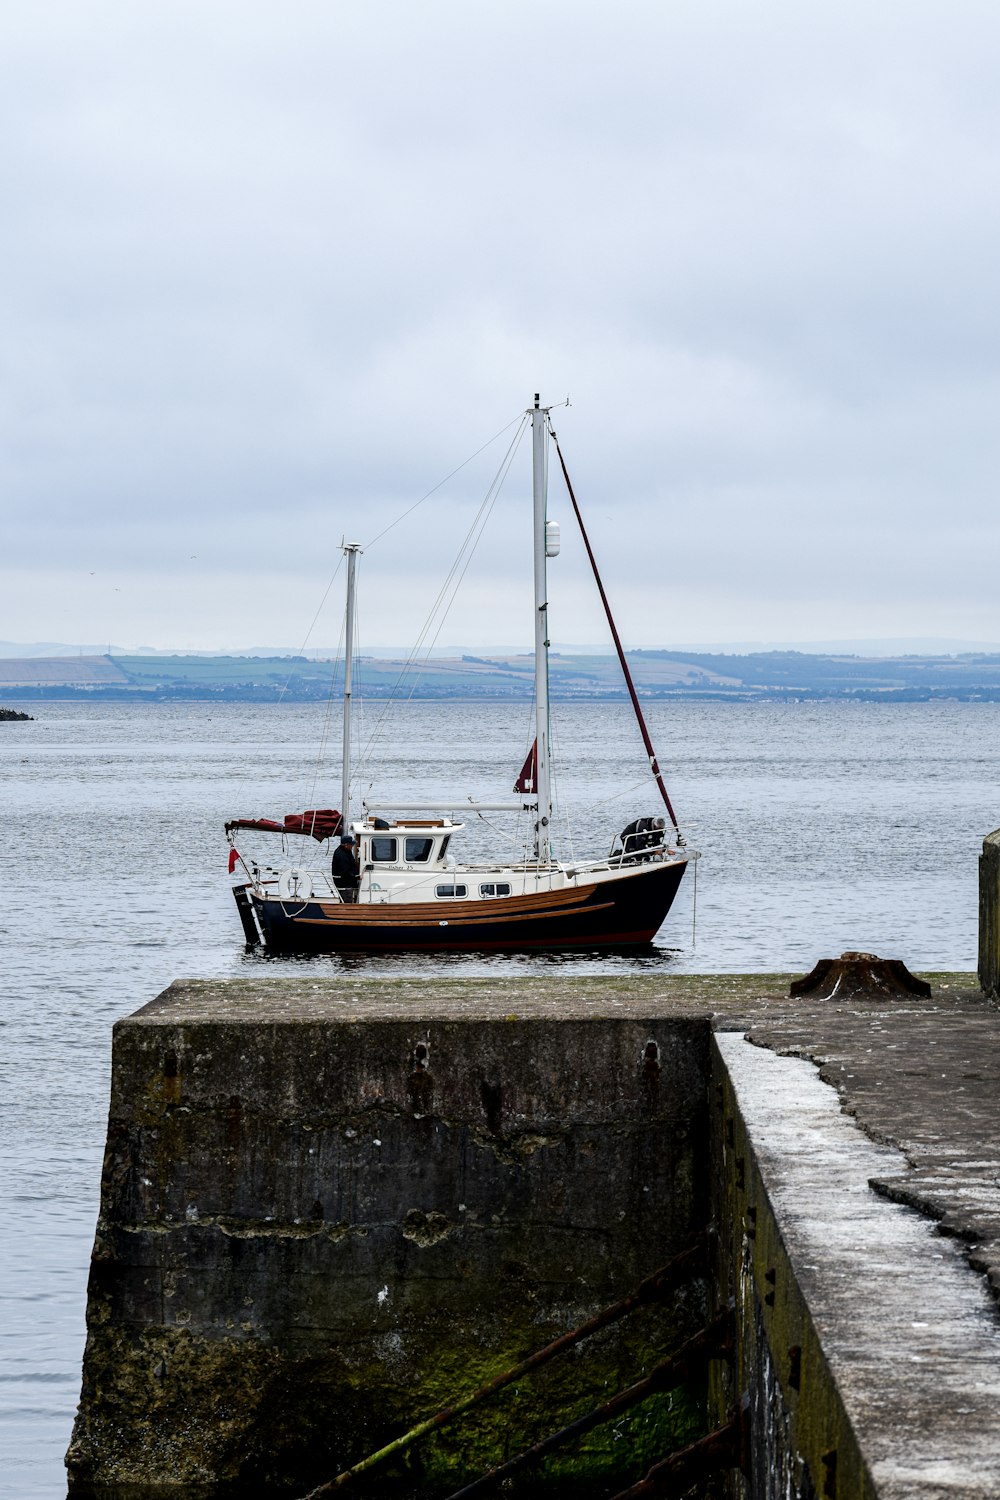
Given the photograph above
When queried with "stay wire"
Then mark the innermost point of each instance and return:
(417, 650)
(322, 752)
(312, 627)
(409, 511)
(301, 651)
(358, 700)
(472, 542)
(694, 909)
(445, 599)
(464, 464)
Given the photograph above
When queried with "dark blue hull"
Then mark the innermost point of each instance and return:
(625, 910)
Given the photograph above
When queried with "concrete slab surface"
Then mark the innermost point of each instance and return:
(909, 1338)
(877, 1123)
(919, 1074)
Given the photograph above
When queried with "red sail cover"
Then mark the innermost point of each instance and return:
(528, 779)
(321, 822)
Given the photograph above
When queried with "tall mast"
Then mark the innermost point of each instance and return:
(351, 551)
(540, 476)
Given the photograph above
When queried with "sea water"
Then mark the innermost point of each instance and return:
(821, 826)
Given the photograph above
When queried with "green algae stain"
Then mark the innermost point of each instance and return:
(315, 1417)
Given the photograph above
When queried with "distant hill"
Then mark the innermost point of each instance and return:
(61, 671)
(764, 675)
(863, 646)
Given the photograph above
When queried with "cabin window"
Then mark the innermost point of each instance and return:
(444, 847)
(451, 890)
(418, 850)
(495, 888)
(384, 850)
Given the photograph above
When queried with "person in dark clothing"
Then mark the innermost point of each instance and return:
(641, 838)
(345, 870)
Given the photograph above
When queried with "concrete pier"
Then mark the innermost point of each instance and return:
(330, 1207)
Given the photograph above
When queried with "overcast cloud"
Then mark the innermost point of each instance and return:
(269, 273)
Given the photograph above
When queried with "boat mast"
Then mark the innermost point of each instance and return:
(540, 475)
(351, 550)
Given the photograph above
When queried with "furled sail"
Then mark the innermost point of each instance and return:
(320, 822)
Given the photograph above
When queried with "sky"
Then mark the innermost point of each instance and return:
(271, 273)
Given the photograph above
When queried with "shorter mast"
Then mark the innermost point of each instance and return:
(539, 475)
(351, 551)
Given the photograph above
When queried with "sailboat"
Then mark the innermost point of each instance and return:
(410, 892)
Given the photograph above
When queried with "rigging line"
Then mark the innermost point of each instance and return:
(636, 786)
(694, 908)
(653, 764)
(415, 650)
(558, 817)
(444, 481)
(315, 617)
(442, 601)
(412, 658)
(358, 700)
(490, 825)
(472, 548)
(467, 549)
(324, 741)
(529, 724)
(554, 765)
(489, 499)
(284, 688)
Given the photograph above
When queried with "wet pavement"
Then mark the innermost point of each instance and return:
(922, 1075)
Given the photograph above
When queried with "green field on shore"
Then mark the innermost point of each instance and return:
(772, 675)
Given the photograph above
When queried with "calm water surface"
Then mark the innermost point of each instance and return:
(822, 826)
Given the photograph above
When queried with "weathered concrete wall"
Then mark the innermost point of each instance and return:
(313, 1232)
(327, 1210)
(989, 914)
(870, 1352)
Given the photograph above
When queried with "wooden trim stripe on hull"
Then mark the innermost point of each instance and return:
(432, 913)
(626, 910)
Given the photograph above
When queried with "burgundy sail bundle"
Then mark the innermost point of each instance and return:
(319, 823)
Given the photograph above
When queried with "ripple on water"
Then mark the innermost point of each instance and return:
(823, 827)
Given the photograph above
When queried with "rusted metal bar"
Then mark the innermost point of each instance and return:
(659, 1284)
(728, 1447)
(714, 1340)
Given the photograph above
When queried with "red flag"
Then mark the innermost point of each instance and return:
(528, 779)
(233, 857)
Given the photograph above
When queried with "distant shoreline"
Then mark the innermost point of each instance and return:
(660, 677)
(141, 699)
